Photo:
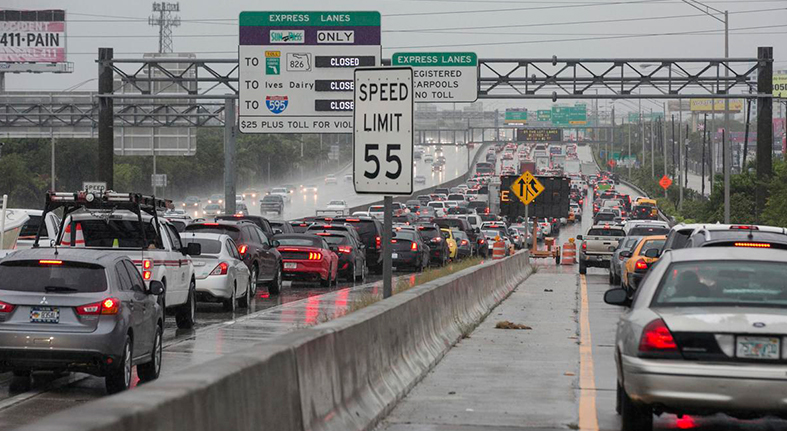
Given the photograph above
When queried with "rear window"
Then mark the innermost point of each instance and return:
(606, 232)
(648, 231)
(209, 246)
(449, 223)
(100, 233)
(272, 199)
(429, 232)
(66, 277)
(299, 242)
(405, 234)
(30, 229)
(234, 233)
(336, 239)
(366, 228)
(605, 216)
(723, 284)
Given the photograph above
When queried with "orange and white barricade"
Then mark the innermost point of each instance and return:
(498, 249)
(569, 256)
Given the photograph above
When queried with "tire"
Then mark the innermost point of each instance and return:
(618, 399)
(118, 379)
(186, 314)
(245, 300)
(351, 274)
(635, 417)
(361, 278)
(327, 281)
(557, 257)
(274, 287)
(616, 278)
(254, 277)
(229, 304)
(151, 370)
(582, 268)
(611, 277)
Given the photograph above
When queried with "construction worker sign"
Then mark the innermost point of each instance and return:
(526, 188)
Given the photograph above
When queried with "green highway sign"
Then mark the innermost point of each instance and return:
(566, 116)
(441, 76)
(515, 116)
(544, 115)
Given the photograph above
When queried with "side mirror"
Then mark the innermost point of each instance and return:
(156, 287)
(193, 249)
(625, 253)
(617, 297)
(652, 252)
(275, 243)
(580, 238)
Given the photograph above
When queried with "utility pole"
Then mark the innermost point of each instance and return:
(106, 108)
(664, 140)
(629, 156)
(680, 157)
(652, 152)
(164, 21)
(702, 161)
(727, 141)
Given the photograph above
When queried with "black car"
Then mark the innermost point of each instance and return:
(405, 218)
(438, 248)
(483, 245)
(336, 227)
(260, 221)
(352, 258)
(409, 250)
(254, 247)
(464, 226)
(479, 206)
(272, 204)
(464, 248)
(282, 226)
(370, 230)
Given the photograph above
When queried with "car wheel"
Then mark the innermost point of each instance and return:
(582, 268)
(254, 277)
(21, 382)
(611, 277)
(635, 417)
(185, 316)
(327, 281)
(245, 301)
(229, 303)
(118, 379)
(360, 278)
(275, 285)
(618, 398)
(151, 370)
(351, 274)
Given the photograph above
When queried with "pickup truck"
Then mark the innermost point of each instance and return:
(272, 204)
(129, 224)
(597, 247)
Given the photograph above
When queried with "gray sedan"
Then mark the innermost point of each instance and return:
(71, 309)
(705, 334)
(617, 261)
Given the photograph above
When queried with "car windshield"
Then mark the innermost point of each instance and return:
(279, 191)
(209, 246)
(57, 276)
(648, 231)
(723, 283)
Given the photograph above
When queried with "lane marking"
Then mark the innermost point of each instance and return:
(588, 419)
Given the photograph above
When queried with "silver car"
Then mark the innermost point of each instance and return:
(72, 309)
(221, 274)
(706, 333)
(616, 262)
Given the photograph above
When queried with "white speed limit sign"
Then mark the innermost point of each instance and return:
(383, 131)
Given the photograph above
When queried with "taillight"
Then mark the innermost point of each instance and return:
(345, 249)
(147, 267)
(6, 307)
(220, 269)
(464, 242)
(242, 249)
(481, 241)
(414, 247)
(584, 246)
(656, 337)
(753, 244)
(50, 262)
(438, 239)
(107, 306)
(378, 242)
(315, 255)
(641, 264)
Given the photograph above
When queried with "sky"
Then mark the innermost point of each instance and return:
(491, 28)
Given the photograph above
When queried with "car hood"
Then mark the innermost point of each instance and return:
(725, 319)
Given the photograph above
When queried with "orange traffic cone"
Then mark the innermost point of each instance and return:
(66, 241)
(80, 237)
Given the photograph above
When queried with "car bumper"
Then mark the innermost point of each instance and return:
(706, 388)
(305, 270)
(596, 260)
(213, 287)
(92, 352)
(406, 258)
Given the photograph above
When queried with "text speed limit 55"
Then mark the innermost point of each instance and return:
(393, 163)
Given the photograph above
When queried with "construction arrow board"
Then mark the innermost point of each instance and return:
(442, 76)
(383, 131)
(527, 188)
(296, 69)
(553, 201)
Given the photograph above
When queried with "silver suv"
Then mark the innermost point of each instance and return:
(77, 309)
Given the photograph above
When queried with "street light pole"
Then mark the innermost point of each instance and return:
(727, 142)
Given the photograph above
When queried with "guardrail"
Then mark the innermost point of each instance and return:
(346, 374)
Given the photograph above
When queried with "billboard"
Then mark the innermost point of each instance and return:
(706, 105)
(780, 86)
(34, 36)
(534, 134)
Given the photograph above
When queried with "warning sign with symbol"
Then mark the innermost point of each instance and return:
(526, 188)
(665, 182)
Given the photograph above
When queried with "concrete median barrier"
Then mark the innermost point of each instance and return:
(345, 374)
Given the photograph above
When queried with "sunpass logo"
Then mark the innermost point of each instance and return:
(287, 36)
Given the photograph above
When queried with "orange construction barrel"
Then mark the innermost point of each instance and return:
(569, 256)
(498, 248)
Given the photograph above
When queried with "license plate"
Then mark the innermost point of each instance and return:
(290, 265)
(394, 256)
(44, 315)
(758, 347)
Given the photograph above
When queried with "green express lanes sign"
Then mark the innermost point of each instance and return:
(515, 116)
(441, 76)
(565, 116)
(539, 134)
(544, 115)
(296, 69)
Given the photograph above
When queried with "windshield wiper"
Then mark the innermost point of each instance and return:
(62, 289)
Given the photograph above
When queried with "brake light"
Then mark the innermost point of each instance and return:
(353, 220)
(378, 242)
(6, 307)
(414, 247)
(744, 227)
(641, 264)
(110, 306)
(107, 306)
(438, 239)
(242, 249)
(210, 224)
(323, 234)
(753, 244)
(481, 241)
(584, 246)
(346, 249)
(147, 266)
(220, 269)
(464, 242)
(315, 255)
(656, 337)
(50, 262)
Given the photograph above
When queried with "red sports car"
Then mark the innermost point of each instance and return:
(307, 257)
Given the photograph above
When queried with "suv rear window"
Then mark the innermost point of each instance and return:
(606, 232)
(367, 229)
(65, 277)
(232, 231)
